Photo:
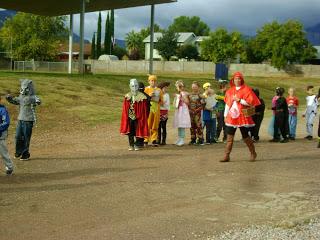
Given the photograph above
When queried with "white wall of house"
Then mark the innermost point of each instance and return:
(156, 54)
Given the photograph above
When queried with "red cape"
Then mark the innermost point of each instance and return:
(141, 110)
(249, 96)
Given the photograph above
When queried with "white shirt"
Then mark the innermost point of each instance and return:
(166, 102)
(312, 103)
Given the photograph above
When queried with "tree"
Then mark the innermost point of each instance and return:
(188, 52)
(133, 42)
(33, 37)
(221, 47)
(119, 52)
(99, 52)
(107, 36)
(190, 24)
(167, 45)
(93, 46)
(284, 44)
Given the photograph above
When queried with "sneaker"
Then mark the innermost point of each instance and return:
(131, 148)
(155, 143)
(163, 143)
(292, 138)
(180, 142)
(285, 140)
(9, 172)
(137, 148)
(16, 155)
(200, 142)
(192, 142)
(308, 137)
(207, 143)
(25, 157)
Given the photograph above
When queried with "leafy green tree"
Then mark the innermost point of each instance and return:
(93, 46)
(119, 52)
(167, 45)
(99, 52)
(188, 52)
(251, 53)
(33, 37)
(221, 46)
(284, 44)
(133, 42)
(107, 36)
(190, 24)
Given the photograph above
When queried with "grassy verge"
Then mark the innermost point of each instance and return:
(95, 99)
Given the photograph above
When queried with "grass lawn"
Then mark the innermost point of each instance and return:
(94, 99)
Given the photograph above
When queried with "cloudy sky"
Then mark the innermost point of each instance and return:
(245, 15)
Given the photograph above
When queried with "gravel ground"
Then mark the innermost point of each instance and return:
(309, 231)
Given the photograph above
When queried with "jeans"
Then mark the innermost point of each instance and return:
(162, 131)
(310, 116)
(292, 125)
(181, 133)
(23, 137)
(221, 125)
(5, 155)
(211, 129)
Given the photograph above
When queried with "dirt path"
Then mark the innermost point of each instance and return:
(86, 185)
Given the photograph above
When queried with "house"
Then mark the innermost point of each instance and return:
(184, 38)
(64, 51)
(198, 42)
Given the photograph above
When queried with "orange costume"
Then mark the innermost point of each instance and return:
(156, 95)
(239, 99)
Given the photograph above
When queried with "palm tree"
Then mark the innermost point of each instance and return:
(134, 43)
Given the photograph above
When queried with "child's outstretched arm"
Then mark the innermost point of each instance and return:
(13, 100)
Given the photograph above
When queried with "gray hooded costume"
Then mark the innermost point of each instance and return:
(27, 101)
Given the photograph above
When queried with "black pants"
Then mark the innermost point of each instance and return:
(162, 131)
(281, 122)
(221, 125)
(244, 131)
(132, 134)
(254, 131)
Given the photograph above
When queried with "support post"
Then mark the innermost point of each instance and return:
(81, 61)
(70, 44)
(151, 40)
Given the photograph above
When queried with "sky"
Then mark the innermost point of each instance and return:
(245, 15)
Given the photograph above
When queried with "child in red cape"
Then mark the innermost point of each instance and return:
(239, 99)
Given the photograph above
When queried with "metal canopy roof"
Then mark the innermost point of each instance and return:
(65, 7)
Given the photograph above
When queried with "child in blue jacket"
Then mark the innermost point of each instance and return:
(4, 125)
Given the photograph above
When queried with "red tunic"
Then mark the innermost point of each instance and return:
(141, 112)
(246, 94)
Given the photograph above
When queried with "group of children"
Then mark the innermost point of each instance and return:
(198, 111)
(195, 111)
(285, 114)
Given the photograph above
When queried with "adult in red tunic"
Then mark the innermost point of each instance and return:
(239, 98)
(134, 120)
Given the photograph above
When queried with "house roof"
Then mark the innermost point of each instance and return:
(64, 48)
(183, 37)
(65, 7)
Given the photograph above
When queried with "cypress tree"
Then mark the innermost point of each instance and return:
(107, 39)
(99, 37)
(93, 46)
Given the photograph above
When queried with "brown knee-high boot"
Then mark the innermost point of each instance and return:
(251, 147)
(228, 148)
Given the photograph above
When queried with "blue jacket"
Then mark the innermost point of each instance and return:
(4, 119)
